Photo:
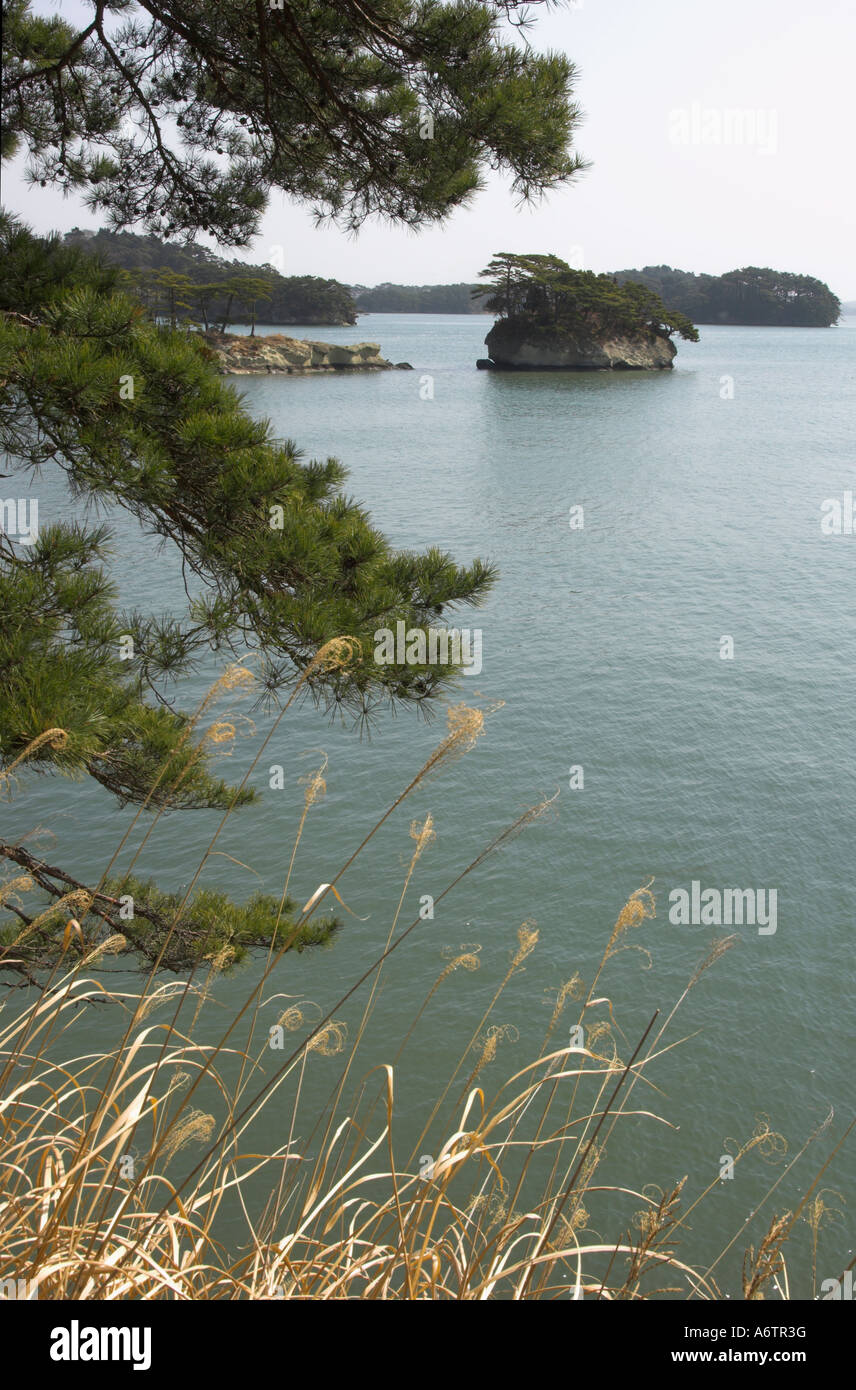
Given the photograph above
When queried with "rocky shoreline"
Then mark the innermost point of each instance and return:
(513, 349)
(276, 354)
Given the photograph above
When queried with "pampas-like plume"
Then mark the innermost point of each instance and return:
(194, 1125)
(22, 884)
(330, 1039)
(112, 946)
(498, 1213)
(57, 738)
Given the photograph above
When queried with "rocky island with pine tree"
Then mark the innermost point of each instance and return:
(553, 318)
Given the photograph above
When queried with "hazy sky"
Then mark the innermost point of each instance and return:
(721, 135)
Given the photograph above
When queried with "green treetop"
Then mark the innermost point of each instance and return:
(294, 298)
(183, 117)
(753, 295)
(544, 292)
(254, 288)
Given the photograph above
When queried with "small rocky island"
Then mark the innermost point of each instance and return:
(274, 353)
(553, 318)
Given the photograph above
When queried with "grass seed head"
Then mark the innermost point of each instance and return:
(330, 1039)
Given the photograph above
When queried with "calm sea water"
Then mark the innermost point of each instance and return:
(702, 492)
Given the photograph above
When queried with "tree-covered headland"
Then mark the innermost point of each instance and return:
(751, 296)
(740, 297)
(212, 290)
(419, 299)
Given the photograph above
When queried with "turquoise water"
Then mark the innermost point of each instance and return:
(702, 521)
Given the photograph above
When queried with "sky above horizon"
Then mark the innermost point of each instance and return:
(720, 136)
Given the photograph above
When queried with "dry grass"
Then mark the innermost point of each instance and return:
(118, 1168)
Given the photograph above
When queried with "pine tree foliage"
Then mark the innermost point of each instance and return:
(136, 415)
(163, 930)
(180, 117)
(544, 292)
(278, 559)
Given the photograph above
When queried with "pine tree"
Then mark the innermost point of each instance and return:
(324, 102)
(391, 107)
(294, 298)
(253, 289)
(543, 291)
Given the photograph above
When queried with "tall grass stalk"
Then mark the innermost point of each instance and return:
(104, 1192)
